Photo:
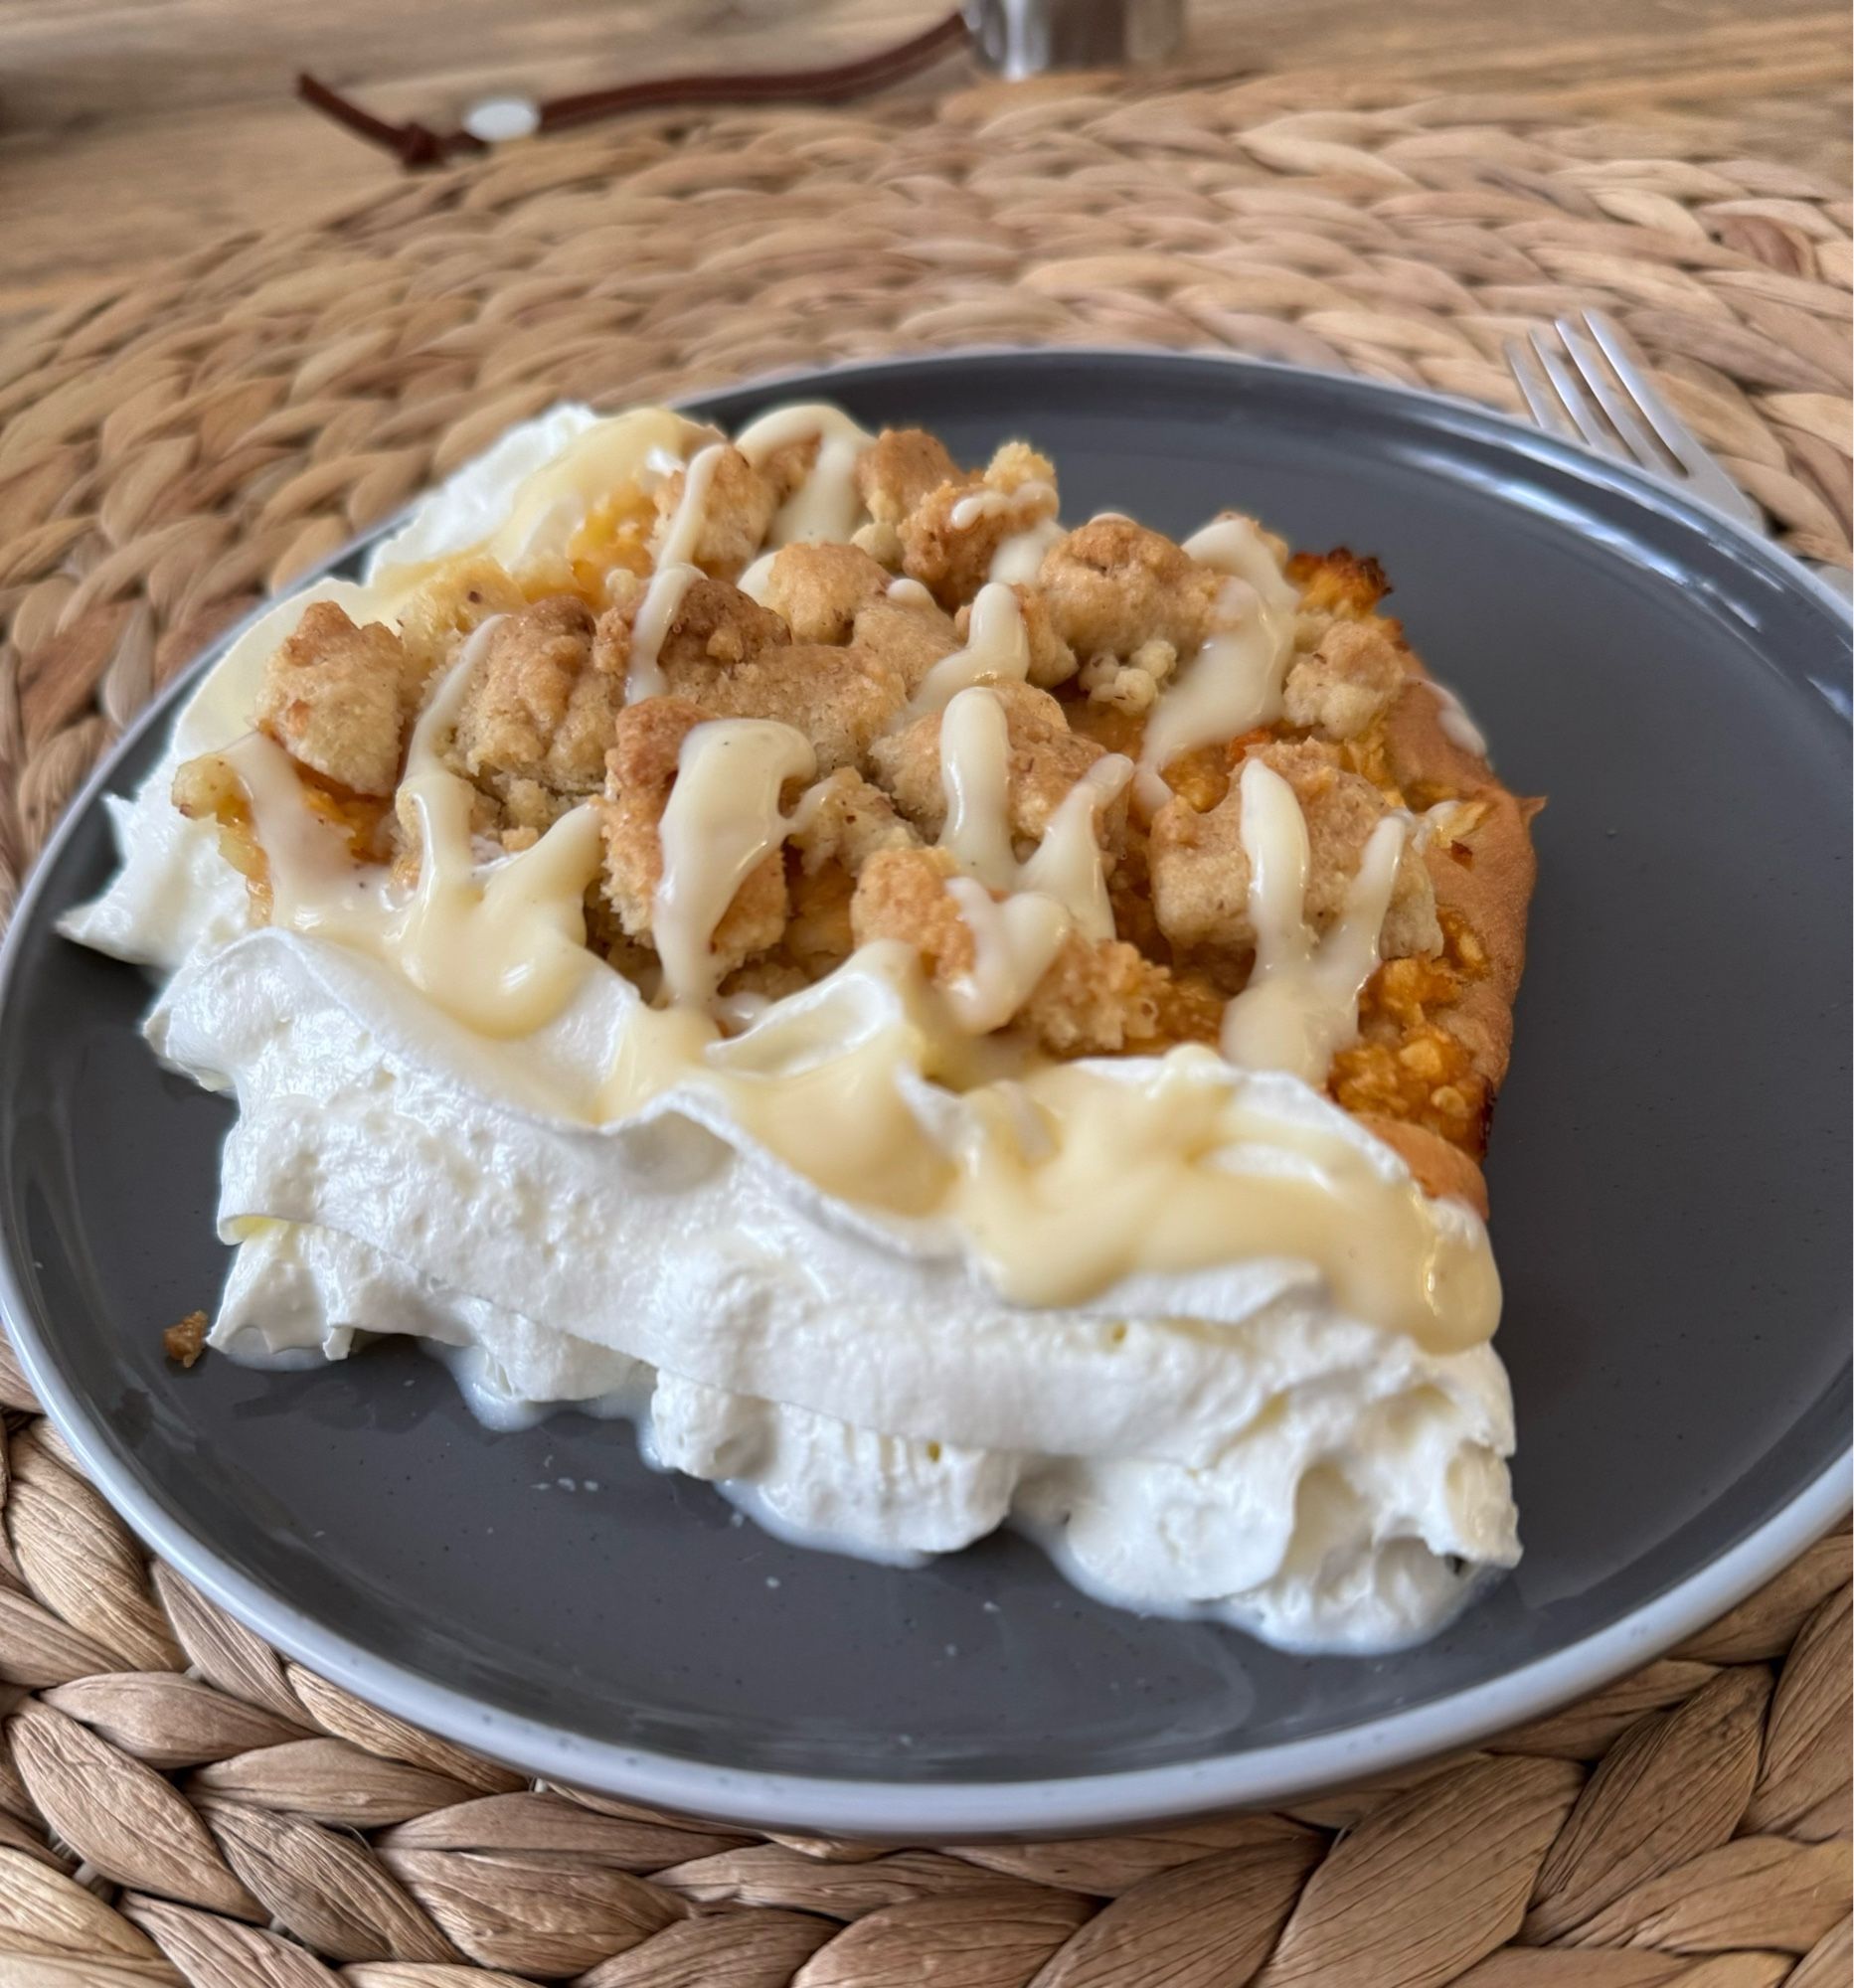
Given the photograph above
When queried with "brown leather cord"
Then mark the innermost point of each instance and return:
(415, 144)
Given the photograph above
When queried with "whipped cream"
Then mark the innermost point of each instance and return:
(854, 1332)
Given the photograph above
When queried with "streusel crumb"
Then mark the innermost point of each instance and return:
(738, 507)
(538, 715)
(841, 699)
(184, 1343)
(951, 533)
(331, 699)
(1112, 587)
(714, 625)
(640, 771)
(912, 635)
(900, 471)
(1346, 685)
(1052, 661)
(818, 591)
(573, 699)
(1046, 760)
(1097, 997)
(1201, 870)
(448, 608)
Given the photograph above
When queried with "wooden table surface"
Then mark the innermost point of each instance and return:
(135, 130)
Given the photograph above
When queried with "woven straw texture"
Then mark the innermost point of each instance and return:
(180, 1805)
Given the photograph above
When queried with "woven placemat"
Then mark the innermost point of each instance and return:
(178, 1803)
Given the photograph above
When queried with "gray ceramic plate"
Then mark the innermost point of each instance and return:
(1669, 1179)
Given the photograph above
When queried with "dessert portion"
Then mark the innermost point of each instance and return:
(940, 1015)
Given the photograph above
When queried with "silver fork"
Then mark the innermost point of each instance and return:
(1589, 388)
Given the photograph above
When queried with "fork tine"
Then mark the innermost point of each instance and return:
(1570, 396)
(1576, 400)
(1546, 407)
(1709, 479)
(1670, 431)
(1617, 404)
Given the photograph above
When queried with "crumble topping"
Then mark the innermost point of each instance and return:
(740, 506)
(332, 699)
(1201, 871)
(585, 677)
(1044, 760)
(1113, 588)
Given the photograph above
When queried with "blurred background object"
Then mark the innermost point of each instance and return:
(1021, 38)
(133, 135)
